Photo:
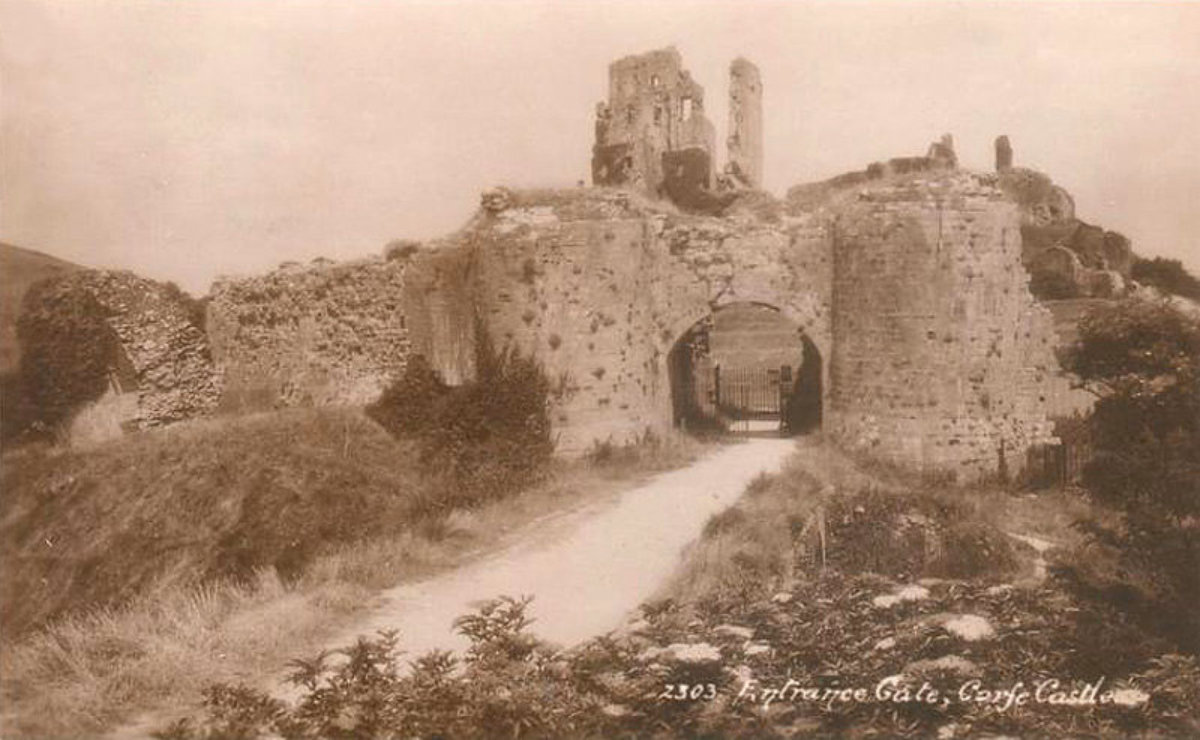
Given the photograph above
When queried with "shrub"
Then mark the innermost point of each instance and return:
(486, 438)
(914, 535)
(1143, 360)
(503, 690)
(407, 408)
(1167, 275)
(196, 309)
(1052, 286)
(400, 249)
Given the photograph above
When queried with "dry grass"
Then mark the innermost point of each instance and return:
(89, 672)
(750, 544)
(101, 421)
(95, 527)
(753, 545)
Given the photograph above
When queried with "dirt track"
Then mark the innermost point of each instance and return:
(586, 579)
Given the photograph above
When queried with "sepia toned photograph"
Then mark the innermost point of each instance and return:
(394, 369)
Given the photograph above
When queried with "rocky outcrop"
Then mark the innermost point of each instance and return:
(1096, 263)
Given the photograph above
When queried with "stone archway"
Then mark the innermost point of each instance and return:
(745, 366)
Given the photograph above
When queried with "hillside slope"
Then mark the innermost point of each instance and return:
(206, 500)
(20, 268)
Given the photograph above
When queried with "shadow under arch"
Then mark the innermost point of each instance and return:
(744, 364)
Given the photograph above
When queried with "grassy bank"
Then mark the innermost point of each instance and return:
(141, 570)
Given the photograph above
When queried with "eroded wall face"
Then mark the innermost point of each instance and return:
(941, 356)
(310, 335)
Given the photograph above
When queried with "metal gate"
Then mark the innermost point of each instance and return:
(747, 394)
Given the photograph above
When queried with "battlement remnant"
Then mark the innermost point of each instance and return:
(745, 142)
(941, 153)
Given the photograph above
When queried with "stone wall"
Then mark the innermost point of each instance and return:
(153, 349)
(326, 333)
(600, 284)
(941, 356)
(909, 287)
(911, 290)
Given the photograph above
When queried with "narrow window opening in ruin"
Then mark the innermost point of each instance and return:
(686, 109)
(658, 112)
(655, 81)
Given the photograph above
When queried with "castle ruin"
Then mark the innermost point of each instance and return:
(652, 134)
(904, 286)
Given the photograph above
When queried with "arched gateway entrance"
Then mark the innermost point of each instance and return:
(746, 368)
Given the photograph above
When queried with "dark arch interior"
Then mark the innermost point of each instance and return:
(746, 368)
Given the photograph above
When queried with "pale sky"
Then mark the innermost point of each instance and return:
(189, 138)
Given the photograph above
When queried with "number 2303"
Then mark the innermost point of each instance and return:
(688, 692)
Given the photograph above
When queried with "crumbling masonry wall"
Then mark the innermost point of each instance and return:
(153, 350)
(326, 333)
(911, 289)
(941, 357)
(653, 127)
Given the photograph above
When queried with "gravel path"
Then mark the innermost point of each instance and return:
(587, 579)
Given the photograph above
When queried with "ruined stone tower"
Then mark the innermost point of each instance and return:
(1004, 154)
(745, 140)
(652, 132)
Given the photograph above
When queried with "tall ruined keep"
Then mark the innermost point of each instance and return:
(904, 285)
(652, 133)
